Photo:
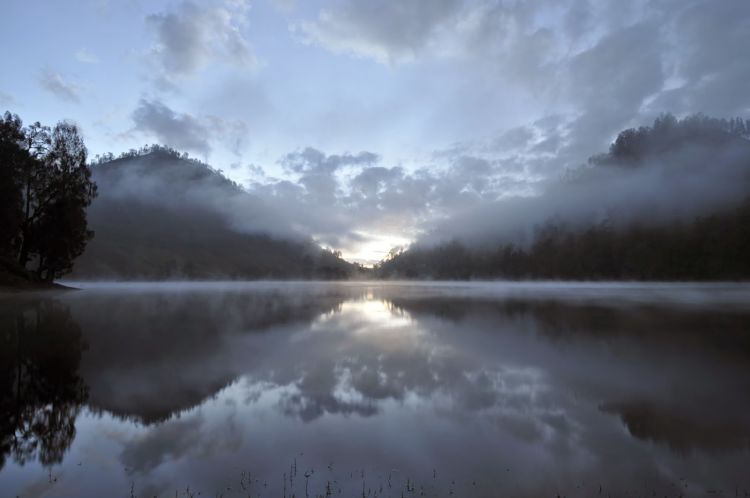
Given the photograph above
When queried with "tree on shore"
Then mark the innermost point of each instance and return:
(46, 186)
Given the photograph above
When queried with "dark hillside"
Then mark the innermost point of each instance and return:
(160, 215)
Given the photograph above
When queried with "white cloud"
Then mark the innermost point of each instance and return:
(380, 29)
(353, 203)
(83, 55)
(7, 99)
(186, 131)
(192, 36)
(54, 83)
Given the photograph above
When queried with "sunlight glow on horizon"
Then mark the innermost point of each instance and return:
(375, 249)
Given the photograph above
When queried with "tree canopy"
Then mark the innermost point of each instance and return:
(45, 188)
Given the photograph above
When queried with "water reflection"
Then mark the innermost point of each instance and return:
(154, 355)
(428, 390)
(684, 430)
(41, 392)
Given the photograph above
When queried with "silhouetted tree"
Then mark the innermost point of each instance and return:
(12, 158)
(61, 233)
(668, 133)
(48, 186)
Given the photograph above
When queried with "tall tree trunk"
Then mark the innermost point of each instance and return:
(20, 334)
(50, 276)
(23, 253)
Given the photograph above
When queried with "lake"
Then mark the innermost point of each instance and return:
(376, 389)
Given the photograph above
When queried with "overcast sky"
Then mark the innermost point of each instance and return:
(371, 121)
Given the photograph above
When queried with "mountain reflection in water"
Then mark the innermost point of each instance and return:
(464, 389)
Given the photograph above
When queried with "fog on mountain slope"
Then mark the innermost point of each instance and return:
(162, 215)
(638, 211)
(673, 171)
(670, 201)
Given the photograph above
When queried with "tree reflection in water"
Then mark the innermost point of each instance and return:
(41, 392)
(478, 390)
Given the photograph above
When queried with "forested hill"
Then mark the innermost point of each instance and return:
(666, 202)
(161, 215)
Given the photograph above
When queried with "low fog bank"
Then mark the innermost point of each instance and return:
(160, 215)
(671, 172)
(715, 295)
(667, 202)
(163, 178)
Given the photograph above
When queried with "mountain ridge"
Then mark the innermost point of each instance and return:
(161, 215)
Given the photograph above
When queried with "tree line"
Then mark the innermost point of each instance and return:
(45, 188)
(713, 246)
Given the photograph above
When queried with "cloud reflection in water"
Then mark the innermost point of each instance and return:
(505, 394)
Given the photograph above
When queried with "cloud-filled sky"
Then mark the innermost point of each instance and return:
(373, 121)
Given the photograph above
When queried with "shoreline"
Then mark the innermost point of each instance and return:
(31, 287)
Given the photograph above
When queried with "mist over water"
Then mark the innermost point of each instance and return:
(450, 389)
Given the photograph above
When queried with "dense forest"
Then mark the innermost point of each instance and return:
(712, 245)
(45, 189)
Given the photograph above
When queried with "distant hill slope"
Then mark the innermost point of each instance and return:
(160, 215)
(666, 202)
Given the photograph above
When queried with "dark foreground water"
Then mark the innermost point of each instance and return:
(376, 390)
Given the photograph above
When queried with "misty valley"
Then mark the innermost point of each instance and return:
(166, 331)
(375, 249)
(381, 389)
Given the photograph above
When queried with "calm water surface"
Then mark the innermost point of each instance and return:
(305, 389)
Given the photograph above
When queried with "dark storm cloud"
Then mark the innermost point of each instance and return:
(57, 85)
